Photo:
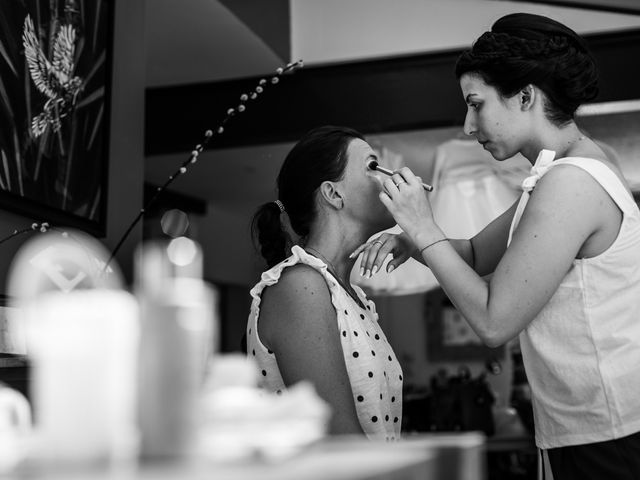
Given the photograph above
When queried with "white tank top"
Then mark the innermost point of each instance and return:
(582, 351)
(374, 372)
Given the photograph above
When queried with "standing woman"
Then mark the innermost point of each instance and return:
(565, 260)
(307, 321)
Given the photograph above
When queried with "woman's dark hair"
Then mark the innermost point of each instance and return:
(319, 156)
(523, 49)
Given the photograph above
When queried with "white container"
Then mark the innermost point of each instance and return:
(15, 427)
(177, 322)
(83, 346)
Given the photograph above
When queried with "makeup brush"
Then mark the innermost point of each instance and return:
(373, 165)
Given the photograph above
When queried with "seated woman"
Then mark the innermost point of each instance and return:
(307, 321)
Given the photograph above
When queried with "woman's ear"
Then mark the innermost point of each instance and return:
(331, 195)
(527, 96)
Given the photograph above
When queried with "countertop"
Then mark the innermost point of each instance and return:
(421, 457)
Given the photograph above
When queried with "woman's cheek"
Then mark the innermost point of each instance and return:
(377, 178)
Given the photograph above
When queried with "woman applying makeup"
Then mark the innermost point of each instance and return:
(560, 268)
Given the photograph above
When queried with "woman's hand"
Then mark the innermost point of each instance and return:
(406, 200)
(375, 251)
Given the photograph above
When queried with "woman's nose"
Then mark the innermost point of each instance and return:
(469, 124)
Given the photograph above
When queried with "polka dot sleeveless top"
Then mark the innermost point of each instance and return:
(374, 372)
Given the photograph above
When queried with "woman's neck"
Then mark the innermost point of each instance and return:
(334, 250)
(336, 259)
(564, 141)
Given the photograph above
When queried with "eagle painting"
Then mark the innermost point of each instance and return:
(53, 77)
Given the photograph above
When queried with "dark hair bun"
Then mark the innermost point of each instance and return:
(268, 232)
(524, 49)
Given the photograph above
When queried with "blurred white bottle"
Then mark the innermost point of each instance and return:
(82, 338)
(15, 427)
(177, 322)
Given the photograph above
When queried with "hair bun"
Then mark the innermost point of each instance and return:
(526, 49)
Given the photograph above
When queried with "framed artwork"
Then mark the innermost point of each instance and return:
(449, 336)
(55, 72)
(12, 335)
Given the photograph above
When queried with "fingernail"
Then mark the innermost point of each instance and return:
(362, 271)
(390, 268)
(375, 269)
(368, 274)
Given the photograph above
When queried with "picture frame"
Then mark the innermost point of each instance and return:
(12, 334)
(14, 361)
(55, 79)
(449, 336)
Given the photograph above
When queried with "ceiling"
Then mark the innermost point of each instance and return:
(213, 40)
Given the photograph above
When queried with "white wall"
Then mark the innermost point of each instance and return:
(206, 43)
(340, 30)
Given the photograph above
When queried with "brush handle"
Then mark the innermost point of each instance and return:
(380, 169)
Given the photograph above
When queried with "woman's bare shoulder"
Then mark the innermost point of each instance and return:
(605, 157)
(295, 281)
(299, 299)
(565, 186)
(572, 200)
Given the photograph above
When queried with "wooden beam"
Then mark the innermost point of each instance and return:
(169, 199)
(394, 94)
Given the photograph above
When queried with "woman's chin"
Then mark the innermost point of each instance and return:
(497, 154)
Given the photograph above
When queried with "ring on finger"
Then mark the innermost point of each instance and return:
(400, 183)
(377, 241)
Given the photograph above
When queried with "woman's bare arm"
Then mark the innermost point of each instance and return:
(566, 209)
(488, 245)
(482, 252)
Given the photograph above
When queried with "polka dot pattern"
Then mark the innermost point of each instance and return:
(374, 373)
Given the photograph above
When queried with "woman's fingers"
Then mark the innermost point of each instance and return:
(404, 177)
(409, 177)
(358, 250)
(375, 252)
(389, 187)
(407, 202)
(373, 255)
(396, 261)
(373, 260)
(398, 179)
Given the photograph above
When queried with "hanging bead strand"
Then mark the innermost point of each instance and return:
(208, 136)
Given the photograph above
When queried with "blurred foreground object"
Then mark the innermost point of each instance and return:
(241, 421)
(15, 427)
(177, 320)
(174, 223)
(81, 337)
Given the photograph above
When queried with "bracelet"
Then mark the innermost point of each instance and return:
(432, 244)
(473, 254)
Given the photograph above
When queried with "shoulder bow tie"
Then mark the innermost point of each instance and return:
(543, 163)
